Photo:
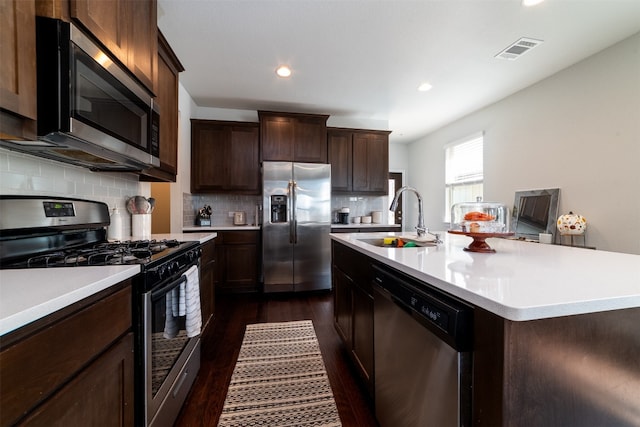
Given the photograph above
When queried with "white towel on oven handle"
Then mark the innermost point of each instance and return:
(192, 302)
(170, 323)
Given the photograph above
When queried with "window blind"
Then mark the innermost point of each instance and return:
(464, 160)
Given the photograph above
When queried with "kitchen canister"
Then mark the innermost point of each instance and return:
(376, 217)
(115, 229)
(141, 226)
(240, 218)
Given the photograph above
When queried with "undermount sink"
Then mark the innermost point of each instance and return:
(413, 242)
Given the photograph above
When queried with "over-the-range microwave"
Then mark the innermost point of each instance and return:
(91, 111)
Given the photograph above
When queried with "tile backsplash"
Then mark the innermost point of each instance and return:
(222, 204)
(22, 174)
(361, 206)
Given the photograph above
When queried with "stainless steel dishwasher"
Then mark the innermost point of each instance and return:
(422, 343)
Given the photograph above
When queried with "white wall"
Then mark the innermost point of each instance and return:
(578, 130)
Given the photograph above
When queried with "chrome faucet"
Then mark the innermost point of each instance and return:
(420, 228)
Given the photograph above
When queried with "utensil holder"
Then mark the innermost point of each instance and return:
(141, 226)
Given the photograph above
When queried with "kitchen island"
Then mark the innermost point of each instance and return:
(555, 336)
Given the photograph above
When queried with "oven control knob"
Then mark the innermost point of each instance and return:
(194, 254)
(162, 272)
(174, 267)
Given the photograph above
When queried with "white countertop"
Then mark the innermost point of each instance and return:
(522, 280)
(28, 295)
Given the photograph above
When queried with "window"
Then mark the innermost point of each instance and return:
(464, 171)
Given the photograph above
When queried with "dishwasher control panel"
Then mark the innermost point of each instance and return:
(430, 311)
(446, 316)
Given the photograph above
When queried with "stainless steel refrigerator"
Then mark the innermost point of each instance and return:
(296, 249)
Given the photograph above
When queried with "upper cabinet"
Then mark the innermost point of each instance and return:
(359, 161)
(293, 137)
(127, 28)
(169, 68)
(142, 55)
(18, 69)
(225, 157)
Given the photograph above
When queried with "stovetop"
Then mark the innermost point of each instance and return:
(144, 252)
(42, 232)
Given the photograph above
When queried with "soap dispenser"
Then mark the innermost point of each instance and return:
(114, 232)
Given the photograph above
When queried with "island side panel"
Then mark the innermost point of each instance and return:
(574, 370)
(488, 367)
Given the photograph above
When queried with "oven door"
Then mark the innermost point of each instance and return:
(171, 358)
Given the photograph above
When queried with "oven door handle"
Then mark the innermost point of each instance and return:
(159, 293)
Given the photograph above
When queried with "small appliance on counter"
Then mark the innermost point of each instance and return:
(203, 218)
(343, 216)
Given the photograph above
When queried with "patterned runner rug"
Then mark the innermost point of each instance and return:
(280, 380)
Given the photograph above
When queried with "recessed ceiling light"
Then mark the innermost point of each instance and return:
(283, 71)
(529, 3)
(424, 87)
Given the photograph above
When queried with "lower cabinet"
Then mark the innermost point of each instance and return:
(101, 394)
(73, 367)
(207, 284)
(237, 258)
(353, 308)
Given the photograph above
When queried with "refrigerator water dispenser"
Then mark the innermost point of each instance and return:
(278, 208)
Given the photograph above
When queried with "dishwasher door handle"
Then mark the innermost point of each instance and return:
(388, 295)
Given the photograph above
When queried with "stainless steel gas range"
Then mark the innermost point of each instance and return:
(43, 232)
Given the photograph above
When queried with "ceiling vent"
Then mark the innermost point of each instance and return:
(519, 48)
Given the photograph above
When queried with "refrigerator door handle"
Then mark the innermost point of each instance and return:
(293, 223)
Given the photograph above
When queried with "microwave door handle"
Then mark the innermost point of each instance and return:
(159, 293)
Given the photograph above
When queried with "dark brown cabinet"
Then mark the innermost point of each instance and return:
(142, 57)
(127, 28)
(293, 137)
(207, 285)
(353, 308)
(74, 367)
(224, 157)
(18, 69)
(359, 161)
(169, 68)
(237, 258)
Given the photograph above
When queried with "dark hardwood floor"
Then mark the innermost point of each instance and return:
(220, 351)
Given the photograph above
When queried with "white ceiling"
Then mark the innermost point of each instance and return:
(364, 59)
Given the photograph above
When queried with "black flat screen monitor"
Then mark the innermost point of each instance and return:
(535, 212)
